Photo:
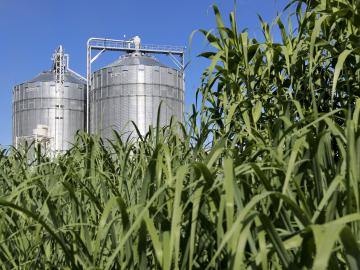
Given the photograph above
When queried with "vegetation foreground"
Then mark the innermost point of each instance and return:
(264, 175)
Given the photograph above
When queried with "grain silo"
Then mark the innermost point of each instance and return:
(131, 89)
(51, 106)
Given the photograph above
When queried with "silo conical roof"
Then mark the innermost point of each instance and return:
(49, 76)
(136, 59)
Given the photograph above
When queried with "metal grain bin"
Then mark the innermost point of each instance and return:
(53, 101)
(130, 89)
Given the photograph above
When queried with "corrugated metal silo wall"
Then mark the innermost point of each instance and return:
(121, 94)
(38, 103)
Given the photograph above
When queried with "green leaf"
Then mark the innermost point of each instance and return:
(325, 238)
(351, 247)
(339, 66)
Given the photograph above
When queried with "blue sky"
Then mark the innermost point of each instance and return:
(31, 30)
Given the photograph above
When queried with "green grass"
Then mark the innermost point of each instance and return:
(264, 175)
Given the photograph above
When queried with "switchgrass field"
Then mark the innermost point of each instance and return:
(264, 174)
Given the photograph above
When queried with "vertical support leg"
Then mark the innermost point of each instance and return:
(183, 86)
(88, 72)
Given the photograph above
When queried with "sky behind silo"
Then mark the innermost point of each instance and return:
(31, 30)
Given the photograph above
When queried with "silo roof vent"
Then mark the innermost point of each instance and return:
(137, 42)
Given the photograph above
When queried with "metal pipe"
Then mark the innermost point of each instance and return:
(183, 86)
(88, 58)
(77, 74)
